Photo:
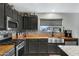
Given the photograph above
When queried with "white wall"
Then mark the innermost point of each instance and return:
(49, 16)
(70, 21)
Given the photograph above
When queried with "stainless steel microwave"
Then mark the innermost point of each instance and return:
(11, 24)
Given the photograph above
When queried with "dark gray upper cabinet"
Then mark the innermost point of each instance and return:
(2, 16)
(34, 22)
(8, 10)
(19, 18)
(30, 22)
(15, 14)
(26, 23)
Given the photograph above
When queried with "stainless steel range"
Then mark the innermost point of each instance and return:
(20, 48)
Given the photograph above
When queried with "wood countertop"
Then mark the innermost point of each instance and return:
(5, 48)
(40, 36)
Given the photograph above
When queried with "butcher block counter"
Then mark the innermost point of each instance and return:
(41, 36)
(5, 48)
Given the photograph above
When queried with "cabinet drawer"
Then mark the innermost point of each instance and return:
(43, 41)
(33, 42)
(70, 43)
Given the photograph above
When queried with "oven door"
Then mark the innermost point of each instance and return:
(21, 52)
(20, 49)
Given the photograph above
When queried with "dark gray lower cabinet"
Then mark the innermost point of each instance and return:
(43, 49)
(36, 46)
(33, 46)
(43, 45)
(71, 42)
(51, 48)
(40, 47)
(43, 41)
(33, 49)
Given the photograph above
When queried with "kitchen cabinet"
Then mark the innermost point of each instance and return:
(8, 10)
(26, 23)
(34, 22)
(40, 47)
(2, 20)
(52, 49)
(73, 41)
(43, 49)
(15, 14)
(36, 46)
(30, 22)
(33, 46)
(19, 18)
(43, 45)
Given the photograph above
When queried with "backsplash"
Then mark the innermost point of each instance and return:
(51, 28)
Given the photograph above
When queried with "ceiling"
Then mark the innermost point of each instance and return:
(47, 7)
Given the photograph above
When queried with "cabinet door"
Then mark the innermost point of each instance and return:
(43, 46)
(8, 10)
(21, 52)
(26, 23)
(19, 22)
(70, 43)
(15, 14)
(43, 49)
(33, 46)
(51, 48)
(2, 15)
(30, 22)
(34, 22)
(43, 41)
